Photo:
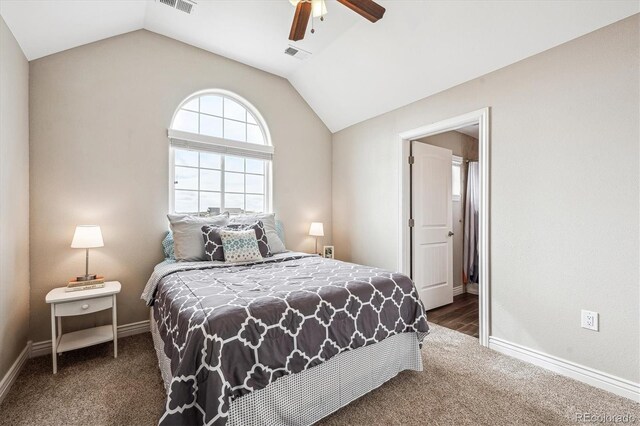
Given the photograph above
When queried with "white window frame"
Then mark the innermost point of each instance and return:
(205, 143)
(456, 161)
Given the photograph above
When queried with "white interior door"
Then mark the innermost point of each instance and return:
(431, 211)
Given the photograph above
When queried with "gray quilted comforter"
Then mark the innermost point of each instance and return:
(230, 330)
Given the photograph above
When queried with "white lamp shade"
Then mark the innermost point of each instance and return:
(316, 229)
(87, 236)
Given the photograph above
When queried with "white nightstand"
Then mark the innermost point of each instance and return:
(64, 304)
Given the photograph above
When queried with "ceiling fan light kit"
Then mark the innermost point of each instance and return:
(317, 8)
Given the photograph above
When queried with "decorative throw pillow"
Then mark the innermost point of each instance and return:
(212, 243)
(187, 234)
(213, 249)
(167, 246)
(240, 246)
(269, 220)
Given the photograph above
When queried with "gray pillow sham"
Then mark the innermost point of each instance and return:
(187, 234)
(269, 221)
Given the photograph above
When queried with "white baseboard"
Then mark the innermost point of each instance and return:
(133, 328)
(44, 347)
(472, 288)
(14, 370)
(32, 350)
(40, 348)
(590, 376)
(458, 290)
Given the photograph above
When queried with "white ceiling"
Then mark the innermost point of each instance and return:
(358, 69)
(46, 27)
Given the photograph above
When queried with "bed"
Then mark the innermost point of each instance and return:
(284, 341)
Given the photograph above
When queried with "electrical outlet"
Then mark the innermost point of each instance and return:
(589, 320)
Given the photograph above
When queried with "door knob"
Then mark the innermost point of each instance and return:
(450, 234)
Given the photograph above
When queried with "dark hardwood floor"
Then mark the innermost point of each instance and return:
(461, 315)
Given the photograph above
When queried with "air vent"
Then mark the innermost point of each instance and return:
(183, 5)
(297, 53)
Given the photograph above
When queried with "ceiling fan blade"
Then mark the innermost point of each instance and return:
(300, 21)
(367, 8)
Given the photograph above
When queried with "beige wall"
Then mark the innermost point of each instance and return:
(99, 155)
(564, 194)
(466, 147)
(14, 199)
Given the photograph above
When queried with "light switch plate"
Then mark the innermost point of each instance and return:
(589, 320)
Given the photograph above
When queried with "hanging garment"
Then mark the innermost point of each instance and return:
(470, 264)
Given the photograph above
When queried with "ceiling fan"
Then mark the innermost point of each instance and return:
(367, 8)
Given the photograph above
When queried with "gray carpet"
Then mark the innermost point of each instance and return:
(462, 383)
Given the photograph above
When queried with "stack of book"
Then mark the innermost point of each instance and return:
(75, 285)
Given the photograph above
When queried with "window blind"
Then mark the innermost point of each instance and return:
(198, 142)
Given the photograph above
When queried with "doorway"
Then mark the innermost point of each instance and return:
(451, 299)
(427, 222)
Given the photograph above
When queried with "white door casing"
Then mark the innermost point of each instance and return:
(432, 251)
(481, 117)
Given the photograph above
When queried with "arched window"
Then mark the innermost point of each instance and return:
(221, 155)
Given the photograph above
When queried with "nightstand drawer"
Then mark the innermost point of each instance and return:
(82, 307)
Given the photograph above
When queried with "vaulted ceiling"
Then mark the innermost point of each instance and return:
(357, 69)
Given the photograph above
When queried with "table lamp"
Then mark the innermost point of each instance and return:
(316, 230)
(86, 237)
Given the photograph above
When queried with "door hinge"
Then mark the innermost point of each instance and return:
(412, 159)
(411, 223)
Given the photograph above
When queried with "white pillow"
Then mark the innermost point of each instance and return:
(188, 243)
(269, 221)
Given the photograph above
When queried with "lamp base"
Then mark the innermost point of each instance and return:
(87, 277)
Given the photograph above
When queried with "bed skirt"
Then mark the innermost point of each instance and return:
(306, 397)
